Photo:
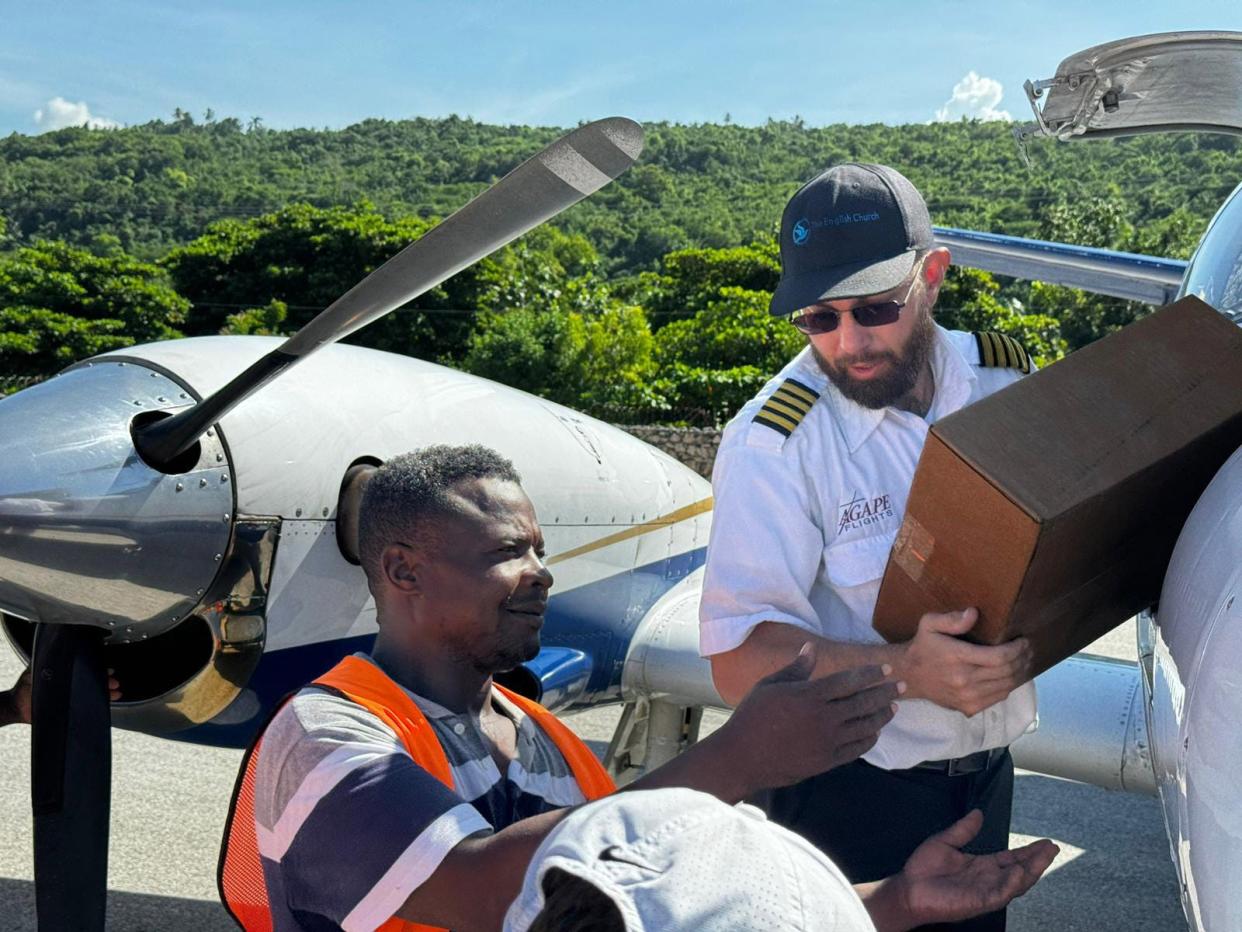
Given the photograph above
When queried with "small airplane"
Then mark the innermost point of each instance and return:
(182, 512)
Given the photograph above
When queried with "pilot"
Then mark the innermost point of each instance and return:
(810, 485)
(406, 787)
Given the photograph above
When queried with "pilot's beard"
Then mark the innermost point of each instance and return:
(895, 385)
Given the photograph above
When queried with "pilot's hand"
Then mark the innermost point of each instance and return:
(941, 883)
(939, 666)
(790, 727)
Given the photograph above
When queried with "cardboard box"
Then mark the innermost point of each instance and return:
(1053, 506)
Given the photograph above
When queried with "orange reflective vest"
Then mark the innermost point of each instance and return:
(240, 877)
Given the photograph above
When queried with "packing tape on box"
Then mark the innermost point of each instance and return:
(913, 548)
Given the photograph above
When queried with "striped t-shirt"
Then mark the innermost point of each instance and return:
(348, 825)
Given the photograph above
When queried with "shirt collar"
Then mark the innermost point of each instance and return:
(432, 709)
(955, 377)
(954, 380)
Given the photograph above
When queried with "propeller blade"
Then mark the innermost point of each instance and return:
(576, 165)
(71, 776)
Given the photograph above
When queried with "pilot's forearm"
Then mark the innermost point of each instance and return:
(773, 645)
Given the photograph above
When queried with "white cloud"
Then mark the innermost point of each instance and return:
(59, 113)
(975, 98)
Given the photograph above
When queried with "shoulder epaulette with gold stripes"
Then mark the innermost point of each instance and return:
(999, 351)
(786, 407)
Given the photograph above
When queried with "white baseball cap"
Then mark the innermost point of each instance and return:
(678, 859)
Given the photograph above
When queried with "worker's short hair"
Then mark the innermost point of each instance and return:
(571, 904)
(406, 495)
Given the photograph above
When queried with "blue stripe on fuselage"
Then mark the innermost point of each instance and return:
(598, 619)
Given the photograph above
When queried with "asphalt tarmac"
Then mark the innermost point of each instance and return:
(169, 801)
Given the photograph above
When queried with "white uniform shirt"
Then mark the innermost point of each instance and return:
(803, 526)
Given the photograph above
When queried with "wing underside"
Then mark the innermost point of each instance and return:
(1103, 271)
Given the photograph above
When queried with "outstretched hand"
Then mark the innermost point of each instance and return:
(790, 727)
(942, 883)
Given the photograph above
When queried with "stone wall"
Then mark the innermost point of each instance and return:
(15, 383)
(694, 446)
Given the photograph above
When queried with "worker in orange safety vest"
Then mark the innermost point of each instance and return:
(404, 789)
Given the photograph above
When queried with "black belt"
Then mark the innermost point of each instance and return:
(971, 763)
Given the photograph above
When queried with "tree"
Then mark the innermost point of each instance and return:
(706, 186)
(709, 365)
(969, 300)
(303, 256)
(306, 257)
(59, 304)
(694, 218)
(592, 361)
(1101, 221)
(546, 269)
(38, 342)
(1082, 317)
(691, 279)
(735, 329)
(268, 320)
(1095, 221)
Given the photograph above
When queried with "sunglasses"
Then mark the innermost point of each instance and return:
(814, 319)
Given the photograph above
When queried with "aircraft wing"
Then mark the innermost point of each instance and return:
(1103, 271)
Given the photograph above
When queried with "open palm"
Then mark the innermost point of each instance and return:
(940, 882)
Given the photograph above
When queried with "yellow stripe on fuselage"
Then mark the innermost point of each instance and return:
(637, 530)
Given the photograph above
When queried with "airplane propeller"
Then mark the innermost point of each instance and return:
(70, 776)
(71, 746)
(574, 166)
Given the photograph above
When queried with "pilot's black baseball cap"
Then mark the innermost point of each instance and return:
(853, 231)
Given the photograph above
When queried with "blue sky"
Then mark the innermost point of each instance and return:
(322, 64)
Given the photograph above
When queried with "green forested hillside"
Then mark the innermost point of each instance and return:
(157, 185)
(184, 227)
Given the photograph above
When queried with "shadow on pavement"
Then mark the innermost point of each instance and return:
(127, 912)
(1098, 890)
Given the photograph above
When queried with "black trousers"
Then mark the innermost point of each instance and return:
(869, 821)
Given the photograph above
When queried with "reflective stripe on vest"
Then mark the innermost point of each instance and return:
(240, 878)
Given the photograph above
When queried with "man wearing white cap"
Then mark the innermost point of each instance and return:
(676, 860)
(811, 482)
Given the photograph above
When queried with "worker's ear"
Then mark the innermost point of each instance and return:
(401, 568)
